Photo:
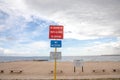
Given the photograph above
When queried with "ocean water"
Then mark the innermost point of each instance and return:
(64, 58)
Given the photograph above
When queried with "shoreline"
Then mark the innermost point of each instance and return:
(64, 58)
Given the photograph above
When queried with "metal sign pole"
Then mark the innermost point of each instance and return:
(55, 64)
(55, 32)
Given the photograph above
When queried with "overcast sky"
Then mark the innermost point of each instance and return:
(91, 27)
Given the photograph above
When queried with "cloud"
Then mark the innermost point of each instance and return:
(86, 19)
(1, 51)
(27, 49)
(98, 48)
(23, 30)
(24, 25)
(17, 27)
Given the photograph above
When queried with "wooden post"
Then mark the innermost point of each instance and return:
(74, 69)
(82, 69)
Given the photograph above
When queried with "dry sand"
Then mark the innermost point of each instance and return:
(65, 70)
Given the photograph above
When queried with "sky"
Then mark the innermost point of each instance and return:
(91, 27)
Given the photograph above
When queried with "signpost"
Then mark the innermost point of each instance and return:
(58, 55)
(78, 63)
(55, 32)
(55, 43)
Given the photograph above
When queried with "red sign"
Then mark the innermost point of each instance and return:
(56, 32)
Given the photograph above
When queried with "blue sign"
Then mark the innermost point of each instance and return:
(55, 43)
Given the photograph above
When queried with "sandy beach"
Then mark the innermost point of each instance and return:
(65, 70)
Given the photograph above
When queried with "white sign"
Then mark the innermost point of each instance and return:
(78, 63)
(54, 55)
